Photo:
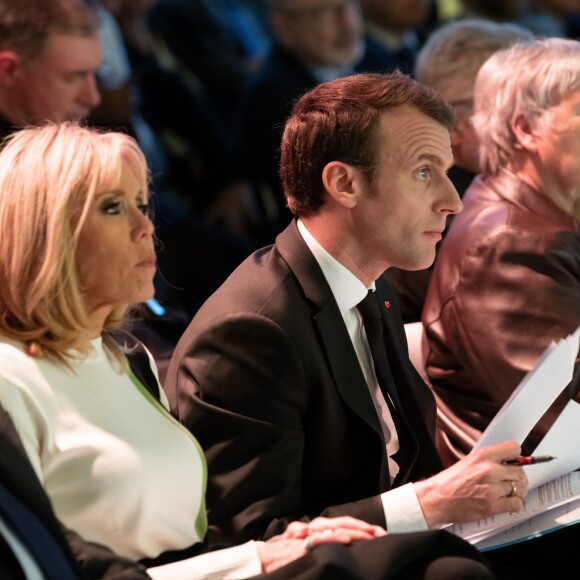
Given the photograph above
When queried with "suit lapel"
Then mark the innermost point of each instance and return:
(336, 342)
(345, 367)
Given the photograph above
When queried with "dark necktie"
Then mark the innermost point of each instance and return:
(371, 315)
(370, 311)
(37, 539)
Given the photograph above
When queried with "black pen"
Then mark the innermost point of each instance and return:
(529, 460)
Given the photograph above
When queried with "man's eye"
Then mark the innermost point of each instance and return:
(423, 173)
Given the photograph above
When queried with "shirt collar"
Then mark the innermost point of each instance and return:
(393, 42)
(347, 289)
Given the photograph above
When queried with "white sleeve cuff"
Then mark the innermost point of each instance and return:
(237, 562)
(403, 511)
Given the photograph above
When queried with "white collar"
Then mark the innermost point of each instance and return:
(347, 289)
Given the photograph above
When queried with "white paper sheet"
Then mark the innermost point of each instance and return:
(554, 496)
(535, 393)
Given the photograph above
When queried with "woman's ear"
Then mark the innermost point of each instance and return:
(524, 132)
(341, 182)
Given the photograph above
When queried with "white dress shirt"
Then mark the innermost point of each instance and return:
(401, 505)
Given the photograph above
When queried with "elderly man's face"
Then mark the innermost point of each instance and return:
(556, 153)
(322, 32)
(59, 84)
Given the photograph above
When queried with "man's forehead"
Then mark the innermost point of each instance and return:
(73, 51)
(414, 136)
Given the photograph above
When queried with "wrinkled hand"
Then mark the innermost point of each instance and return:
(475, 487)
(300, 537)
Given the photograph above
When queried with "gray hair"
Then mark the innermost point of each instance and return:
(530, 78)
(451, 57)
(25, 25)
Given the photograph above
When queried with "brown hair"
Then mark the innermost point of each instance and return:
(337, 121)
(26, 24)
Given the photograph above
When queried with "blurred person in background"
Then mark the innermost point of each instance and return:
(49, 53)
(507, 278)
(313, 41)
(400, 26)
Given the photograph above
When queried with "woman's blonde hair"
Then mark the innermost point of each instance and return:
(48, 178)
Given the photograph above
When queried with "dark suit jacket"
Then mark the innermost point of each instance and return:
(89, 559)
(267, 379)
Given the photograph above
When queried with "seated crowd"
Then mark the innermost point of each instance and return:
(217, 217)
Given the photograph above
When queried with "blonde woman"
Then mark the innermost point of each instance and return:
(77, 252)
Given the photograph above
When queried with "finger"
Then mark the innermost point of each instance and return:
(516, 473)
(512, 488)
(347, 522)
(512, 505)
(341, 535)
(296, 530)
(502, 451)
(320, 538)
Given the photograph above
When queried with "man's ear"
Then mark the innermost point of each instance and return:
(341, 182)
(9, 63)
(524, 131)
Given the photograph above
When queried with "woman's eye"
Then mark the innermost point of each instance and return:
(145, 209)
(112, 207)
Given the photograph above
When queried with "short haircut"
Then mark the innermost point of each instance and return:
(337, 121)
(451, 57)
(26, 24)
(530, 77)
(49, 176)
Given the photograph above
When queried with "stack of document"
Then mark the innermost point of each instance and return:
(554, 497)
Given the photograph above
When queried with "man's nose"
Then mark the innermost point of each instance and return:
(90, 96)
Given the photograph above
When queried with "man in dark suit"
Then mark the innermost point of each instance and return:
(275, 376)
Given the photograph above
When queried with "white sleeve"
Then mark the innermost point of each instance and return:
(237, 562)
(403, 511)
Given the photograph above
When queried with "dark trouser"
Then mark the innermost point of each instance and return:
(434, 555)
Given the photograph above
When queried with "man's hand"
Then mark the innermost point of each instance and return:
(299, 538)
(477, 486)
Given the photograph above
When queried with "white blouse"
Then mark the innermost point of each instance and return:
(118, 468)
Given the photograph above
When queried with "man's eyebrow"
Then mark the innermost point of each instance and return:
(435, 159)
